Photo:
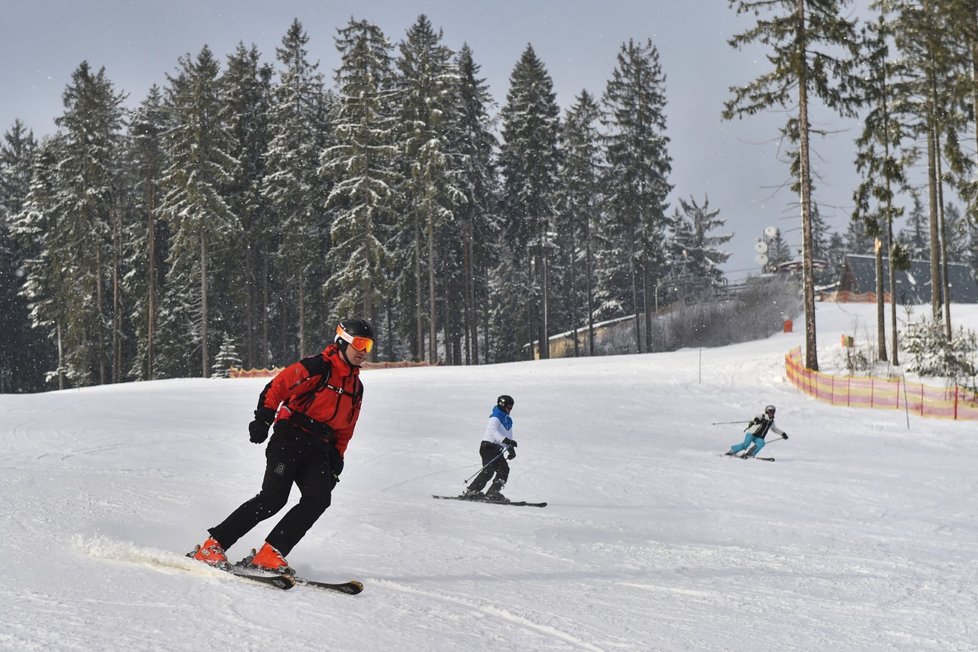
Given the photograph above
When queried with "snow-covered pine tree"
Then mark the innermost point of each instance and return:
(24, 351)
(87, 230)
(245, 102)
(529, 166)
(579, 208)
(145, 161)
(201, 222)
(430, 191)
(45, 281)
(296, 237)
(696, 254)
(226, 358)
(360, 167)
(914, 237)
(473, 144)
(931, 38)
(636, 185)
(778, 252)
(883, 152)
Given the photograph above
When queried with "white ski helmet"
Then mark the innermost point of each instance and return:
(769, 410)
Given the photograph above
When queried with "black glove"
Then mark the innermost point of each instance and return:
(512, 454)
(784, 435)
(509, 442)
(258, 429)
(335, 463)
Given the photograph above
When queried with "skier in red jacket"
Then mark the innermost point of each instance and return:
(314, 405)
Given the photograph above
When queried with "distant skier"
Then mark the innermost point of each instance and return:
(757, 430)
(497, 446)
(314, 405)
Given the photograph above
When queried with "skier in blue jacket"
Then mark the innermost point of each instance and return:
(497, 446)
(756, 431)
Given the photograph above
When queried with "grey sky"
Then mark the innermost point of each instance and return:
(733, 163)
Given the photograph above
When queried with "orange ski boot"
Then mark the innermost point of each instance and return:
(211, 553)
(270, 559)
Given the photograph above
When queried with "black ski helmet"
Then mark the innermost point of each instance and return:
(505, 401)
(354, 328)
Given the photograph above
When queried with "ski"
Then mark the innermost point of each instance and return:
(744, 457)
(284, 582)
(514, 503)
(350, 588)
(243, 569)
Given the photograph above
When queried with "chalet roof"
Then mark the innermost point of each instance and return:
(913, 285)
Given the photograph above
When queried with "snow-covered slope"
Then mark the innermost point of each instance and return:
(862, 536)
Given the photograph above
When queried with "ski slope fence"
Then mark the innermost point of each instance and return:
(952, 402)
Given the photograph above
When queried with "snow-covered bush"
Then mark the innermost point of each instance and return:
(932, 354)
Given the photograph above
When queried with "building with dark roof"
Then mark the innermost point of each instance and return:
(912, 285)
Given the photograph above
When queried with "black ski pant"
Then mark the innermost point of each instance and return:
(498, 467)
(291, 456)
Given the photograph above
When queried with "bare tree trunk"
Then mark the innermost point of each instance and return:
(645, 310)
(418, 312)
(151, 281)
(468, 305)
(945, 286)
(880, 308)
(808, 268)
(893, 294)
(203, 306)
(545, 286)
(302, 312)
(636, 303)
(588, 291)
(99, 310)
(432, 309)
(935, 260)
(116, 297)
(266, 361)
(61, 358)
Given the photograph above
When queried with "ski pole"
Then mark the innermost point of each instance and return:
(501, 453)
(726, 423)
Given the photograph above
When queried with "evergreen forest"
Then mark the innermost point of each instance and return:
(247, 203)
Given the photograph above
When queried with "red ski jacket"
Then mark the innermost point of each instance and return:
(319, 395)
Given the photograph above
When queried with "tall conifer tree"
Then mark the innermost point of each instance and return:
(813, 47)
(293, 186)
(201, 222)
(529, 166)
(636, 183)
(24, 351)
(360, 166)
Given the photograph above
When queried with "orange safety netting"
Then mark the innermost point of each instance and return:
(952, 402)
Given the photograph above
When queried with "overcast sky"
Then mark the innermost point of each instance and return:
(735, 164)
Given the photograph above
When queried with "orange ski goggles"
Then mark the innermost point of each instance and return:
(356, 341)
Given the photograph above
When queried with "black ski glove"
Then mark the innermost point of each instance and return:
(509, 442)
(335, 463)
(258, 429)
(512, 454)
(784, 435)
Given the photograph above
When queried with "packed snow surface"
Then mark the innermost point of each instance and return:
(861, 536)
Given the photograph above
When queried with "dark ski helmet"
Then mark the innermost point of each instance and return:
(356, 332)
(505, 401)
